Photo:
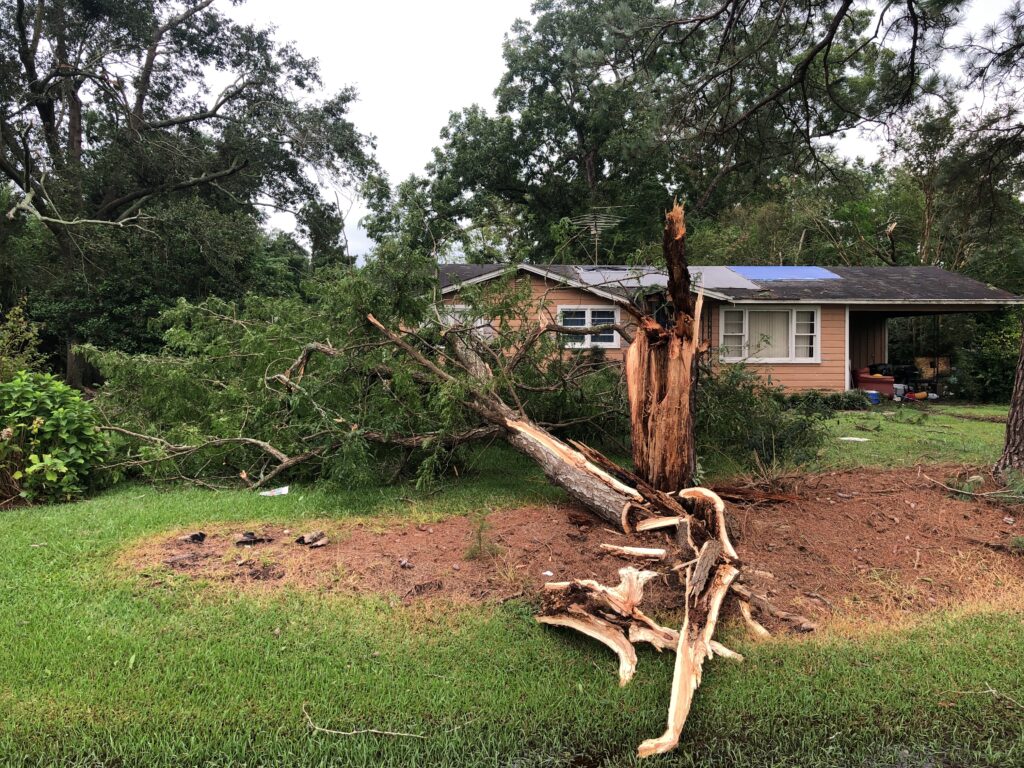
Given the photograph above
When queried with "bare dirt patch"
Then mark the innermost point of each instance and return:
(863, 543)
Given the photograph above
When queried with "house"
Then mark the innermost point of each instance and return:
(806, 327)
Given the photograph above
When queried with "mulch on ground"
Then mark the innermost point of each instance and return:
(856, 542)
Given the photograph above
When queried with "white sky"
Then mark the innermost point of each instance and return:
(414, 63)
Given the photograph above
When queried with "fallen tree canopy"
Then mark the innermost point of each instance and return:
(660, 374)
(479, 380)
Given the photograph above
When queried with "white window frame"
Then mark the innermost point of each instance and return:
(584, 342)
(746, 357)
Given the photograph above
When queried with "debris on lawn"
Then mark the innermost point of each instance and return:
(361, 731)
(847, 551)
(423, 588)
(317, 539)
(404, 563)
(855, 439)
(706, 568)
(282, 491)
(196, 537)
(249, 538)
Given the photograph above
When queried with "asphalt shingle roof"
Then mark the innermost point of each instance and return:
(847, 284)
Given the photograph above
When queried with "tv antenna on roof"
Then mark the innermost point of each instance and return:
(597, 221)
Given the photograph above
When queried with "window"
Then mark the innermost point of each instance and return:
(460, 313)
(586, 317)
(769, 334)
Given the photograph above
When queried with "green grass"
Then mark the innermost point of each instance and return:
(900, 436)
(99, 669)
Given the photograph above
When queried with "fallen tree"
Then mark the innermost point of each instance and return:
(660, 368)
(481, 379)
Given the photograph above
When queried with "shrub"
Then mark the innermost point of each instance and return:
(828, 403)
(50, 444)
(746, 421)
(19, 343)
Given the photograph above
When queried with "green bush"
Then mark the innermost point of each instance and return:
(50, 444)
(986, 365)
(747, 423)
(19, 343)
(828, 403)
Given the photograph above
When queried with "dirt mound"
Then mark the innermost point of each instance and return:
(860, 542)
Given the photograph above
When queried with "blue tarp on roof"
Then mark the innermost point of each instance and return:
(768, 274)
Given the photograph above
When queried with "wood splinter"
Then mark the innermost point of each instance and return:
(612, 615)
(650, 553)
(693, 648)
(604, 632)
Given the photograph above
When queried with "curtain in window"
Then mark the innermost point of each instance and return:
(768, 333)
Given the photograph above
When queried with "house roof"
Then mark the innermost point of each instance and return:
(820, 285)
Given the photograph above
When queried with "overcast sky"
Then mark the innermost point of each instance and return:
(412, 62)
(415, 61)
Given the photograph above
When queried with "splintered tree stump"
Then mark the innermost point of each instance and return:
(660, 373)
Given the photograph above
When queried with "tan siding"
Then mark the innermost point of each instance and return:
(828, 375)
(549, 296)
(867, 339)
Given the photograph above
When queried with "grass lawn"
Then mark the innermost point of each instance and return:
(97, 668)
(907, 435)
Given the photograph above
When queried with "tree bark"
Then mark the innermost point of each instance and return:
(660, 367)
(1012, 458)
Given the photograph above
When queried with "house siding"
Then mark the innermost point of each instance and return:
(828, 375)
(549, 295)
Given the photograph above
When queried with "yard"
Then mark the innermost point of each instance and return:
(111, 653)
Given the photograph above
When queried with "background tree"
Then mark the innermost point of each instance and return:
(145, 139)
(607, 110)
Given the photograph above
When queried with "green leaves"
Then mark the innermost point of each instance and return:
(50, 447)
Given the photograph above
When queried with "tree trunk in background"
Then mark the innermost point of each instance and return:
(74, 367)
(1013, 449)
(660, 368)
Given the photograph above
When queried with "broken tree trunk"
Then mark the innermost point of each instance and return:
(660, 371)
(569, 468)
(660, 374)
(708, 561)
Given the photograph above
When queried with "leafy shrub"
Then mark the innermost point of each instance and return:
(986, 366)
(745, 421)
(50, 444)
(828, 403)
(19, 343)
